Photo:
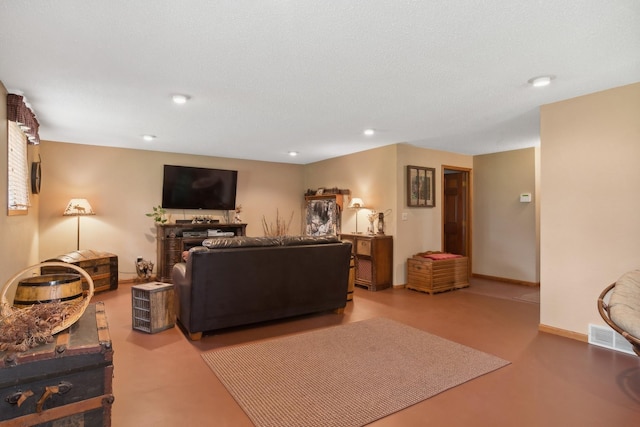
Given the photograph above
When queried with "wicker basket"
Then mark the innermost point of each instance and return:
(75, 308)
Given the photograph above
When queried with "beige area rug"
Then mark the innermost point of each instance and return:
(342, 376)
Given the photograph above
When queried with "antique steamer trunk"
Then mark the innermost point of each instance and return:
(67, 382)
(101, 266)
(431, 276)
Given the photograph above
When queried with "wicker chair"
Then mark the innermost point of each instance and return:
(605, 304)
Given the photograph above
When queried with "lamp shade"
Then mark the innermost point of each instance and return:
(356, 203)
(77, 207)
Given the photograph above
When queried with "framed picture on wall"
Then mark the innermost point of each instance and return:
(322, 217)
(421, 187)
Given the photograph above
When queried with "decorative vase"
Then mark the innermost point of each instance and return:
(371, 217)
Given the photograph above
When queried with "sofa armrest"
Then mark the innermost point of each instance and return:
(182, 288)
(179, 274)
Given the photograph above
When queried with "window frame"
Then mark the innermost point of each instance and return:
(18, 201)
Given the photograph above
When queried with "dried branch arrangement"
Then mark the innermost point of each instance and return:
(281, 228)
(24, 328)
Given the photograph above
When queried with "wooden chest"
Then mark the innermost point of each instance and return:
(427, 275)
(67, 382)
(101, 266)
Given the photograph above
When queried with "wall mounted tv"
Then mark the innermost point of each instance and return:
(185, 187)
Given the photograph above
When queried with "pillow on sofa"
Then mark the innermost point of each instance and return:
(240, 242)
(185, 254)
(441, 256)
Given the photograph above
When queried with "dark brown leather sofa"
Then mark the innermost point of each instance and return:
(243, 280)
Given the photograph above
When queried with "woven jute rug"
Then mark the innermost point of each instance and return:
(348, 375)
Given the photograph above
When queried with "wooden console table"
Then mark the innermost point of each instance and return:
(373, 260)
(171, 242)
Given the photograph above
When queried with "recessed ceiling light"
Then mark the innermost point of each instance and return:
(540, 81)
(293, 153)
(180, 99)
(148, 137)
(369, 132)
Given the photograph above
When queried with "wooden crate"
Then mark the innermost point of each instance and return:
(152, 307)
(67, 382)
(427, 275)
(101, 266)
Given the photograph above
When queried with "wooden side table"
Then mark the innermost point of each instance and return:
(152, 307)
(373, 260)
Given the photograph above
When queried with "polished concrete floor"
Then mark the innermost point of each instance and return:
(161, 380)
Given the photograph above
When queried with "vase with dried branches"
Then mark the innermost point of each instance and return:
(280, 228)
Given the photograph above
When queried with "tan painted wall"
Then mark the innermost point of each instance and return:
(19, 243)
(369, 175)
(590, 232)
(122, 185)
(422, 230)
(505, 243)
(378, 176)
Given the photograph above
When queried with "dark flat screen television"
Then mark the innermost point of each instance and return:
(185, 187)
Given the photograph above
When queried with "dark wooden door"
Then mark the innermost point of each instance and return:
(456, 212)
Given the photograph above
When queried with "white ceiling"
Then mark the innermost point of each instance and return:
(267, 77)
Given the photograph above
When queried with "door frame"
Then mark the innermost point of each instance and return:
(469, 203)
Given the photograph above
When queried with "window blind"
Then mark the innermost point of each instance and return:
(18, 175)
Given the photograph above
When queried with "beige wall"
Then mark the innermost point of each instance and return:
(369, 175)
(505, 243)
(122, 185)
(422, 230)
(378, 176)
(590, 232)
(19, 246)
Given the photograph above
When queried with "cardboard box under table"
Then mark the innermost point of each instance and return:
(432, 276)
(152, 307)
(67, 382)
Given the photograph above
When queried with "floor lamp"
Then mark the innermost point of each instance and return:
(357, 204)
(78, 208)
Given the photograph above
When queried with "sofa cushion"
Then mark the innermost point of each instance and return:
(240, 242)
(248, 242)
(624, 305)
(308, 240)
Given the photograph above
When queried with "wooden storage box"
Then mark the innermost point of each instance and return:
(152, 307)
(67, 382)
(427, 275)
(101, 266)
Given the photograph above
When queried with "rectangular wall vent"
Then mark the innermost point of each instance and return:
(604, 336)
